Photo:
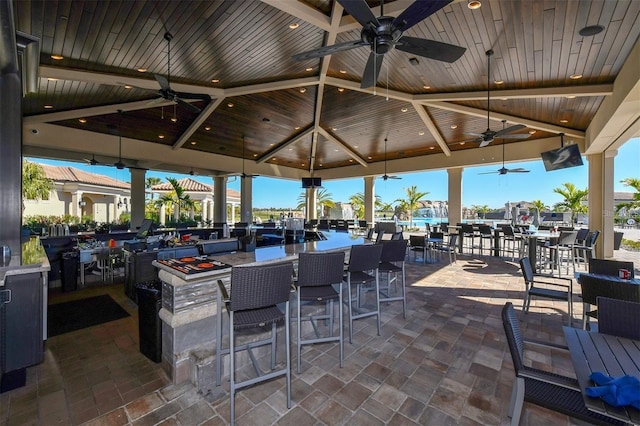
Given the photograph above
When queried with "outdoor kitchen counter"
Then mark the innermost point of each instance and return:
(189, 296)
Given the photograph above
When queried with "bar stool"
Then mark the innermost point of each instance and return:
(255, 293)
(317, 274)
(392, 263)
(362, 270)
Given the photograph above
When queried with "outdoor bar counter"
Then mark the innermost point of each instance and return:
(189, 306)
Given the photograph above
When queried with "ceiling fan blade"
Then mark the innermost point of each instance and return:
(328, 50)
(162, 81)
(371, 71)
(138, 87)
(188, 105)
(418, 11)
(360, 11)
(196, 96)
(485, 143)
(510, 129)
(431, 49)
(395, 177)
(489, 173)
(515, 136)
(518, 170)
(480, 135)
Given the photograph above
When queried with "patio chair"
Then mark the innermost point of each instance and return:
(563, 250)
(392, 263)
(586, 250)
(609, 267)
(418, 244)
(317, 275)
(619, 317)
(256, 292)
(594, 286)
(555, 288)
(546, 389)
(451, 248)
(486, 234)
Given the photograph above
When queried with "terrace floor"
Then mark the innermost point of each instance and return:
(447, 363)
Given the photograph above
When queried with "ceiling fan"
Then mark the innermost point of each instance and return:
(503, 170)
(167, 93)
(488, 136)
(384, 33)
(92, 161)
(385, 176)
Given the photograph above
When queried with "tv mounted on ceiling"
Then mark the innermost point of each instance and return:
(562, 158)
(311, 182)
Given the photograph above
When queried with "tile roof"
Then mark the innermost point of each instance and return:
(71, 174)
(192, 185)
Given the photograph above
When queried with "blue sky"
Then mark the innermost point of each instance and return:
(491, 189)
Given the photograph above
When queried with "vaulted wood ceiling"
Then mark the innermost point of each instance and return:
(281, 117)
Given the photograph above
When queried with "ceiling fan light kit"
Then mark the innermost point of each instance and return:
(384, 33)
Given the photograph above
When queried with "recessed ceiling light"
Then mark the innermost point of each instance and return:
(571, 97)
(303, 89)
(160, 136)
(193, 142)
(498, 82)
(369, 158)
(564, 121)
(126, 86)
(343, 71)
(82, 120)
(255, 155)
(591, 30)
(320, 164)
(207, 128)
(273, 159)
(230, 105)
(426, 87)
(404, 109)
(290, 149)
(215, 80)
(340, 89)
(431, 147)
(334, 128)
(421, 133)
(297, 128)
(174, 119)
(462, 143)
(575, 76)
(52, 79)
(294, 25)
(309, 69)
(336, 150)
(351, 160)
(474, 4)
(48, 106)
(532, 132)
(57, 57)
(454, 126)
(271, 144)
(302, 164)
(356, 146)
(141, 69)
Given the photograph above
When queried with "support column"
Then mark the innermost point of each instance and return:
(246, 199)
(163, 214)
(455, 194)
(205, 210)
(370, 200)
(601, 200)
(76, 207)
(137, 199)
(220, 199)
(312, 209)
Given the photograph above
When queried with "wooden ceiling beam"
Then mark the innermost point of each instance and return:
(270, 87)
(302, 11)
(90, 112)
(270, 153)
(201, 118)
(351, 153)
(429, 124)
(538, 93)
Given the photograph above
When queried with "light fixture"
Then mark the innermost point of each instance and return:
(193, 142)
(141, 69)
(48, 106)
(52, 79)
(426, 87)
(309, 69)
(498, 82)
(340, 89)
(570, 97)
(474, 4)
(591, 30)
(82, 203)
(303, 89)
(82, 120)
(207, 128)
(57, 57)
(126, 86)
(414, 61)
(564, 121)
(160, 136)
(343, 71)
(454, 126)
(421, 133)
(532, 132)
(575, 76)
(215, 80)
(294, 25)
(230, 105)
(404, 109)
(119, 204)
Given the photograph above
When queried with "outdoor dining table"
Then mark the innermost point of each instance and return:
(532, 243)
(433, 244)
(611, 355)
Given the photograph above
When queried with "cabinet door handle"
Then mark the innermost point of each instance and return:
(5, 296)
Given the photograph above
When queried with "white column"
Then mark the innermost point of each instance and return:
(246, 199)
(163, 214)
(369, 200)
(176, 213)
(205, 210)
(76, 198)
(312, 209)
(137, 199)
(455, 195)
(220, 200)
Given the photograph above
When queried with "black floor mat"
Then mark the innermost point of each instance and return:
(78, 314)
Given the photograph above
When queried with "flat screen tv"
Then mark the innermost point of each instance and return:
(144, 229)
(562, 158)
(311, 182)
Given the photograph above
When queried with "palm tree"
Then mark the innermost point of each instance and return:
(411, 202)
(176, 197)
(635, 203)
(323, 199)
(357, 203)
(482, 210)
(573, 199)
(35, 183)
(540, 205)
(151, 182)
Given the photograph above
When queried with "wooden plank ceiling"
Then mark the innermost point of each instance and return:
(311, 114)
